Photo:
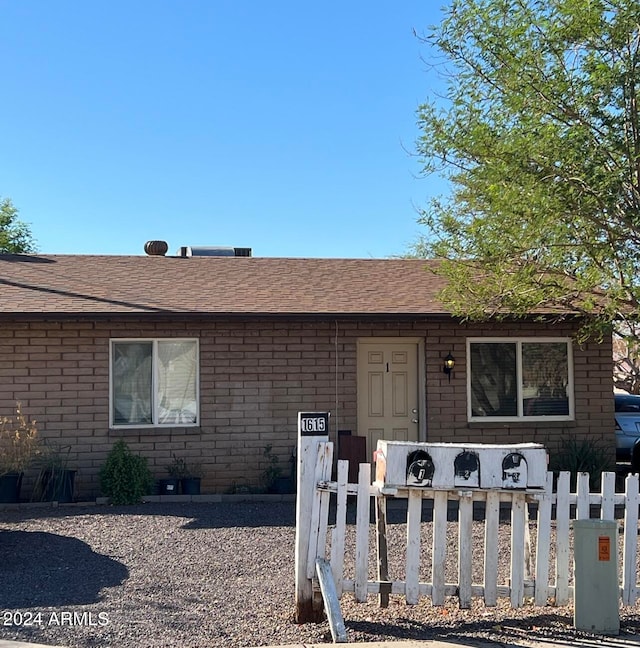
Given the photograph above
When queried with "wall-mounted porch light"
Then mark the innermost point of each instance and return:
(449, 364)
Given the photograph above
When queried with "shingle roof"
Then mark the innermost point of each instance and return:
(109, 285)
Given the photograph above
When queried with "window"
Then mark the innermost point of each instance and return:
(520, 379)
(154, 382)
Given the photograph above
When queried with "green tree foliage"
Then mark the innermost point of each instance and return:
(15, 236)
(538, 134)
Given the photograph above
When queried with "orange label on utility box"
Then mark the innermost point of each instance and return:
(604, 548)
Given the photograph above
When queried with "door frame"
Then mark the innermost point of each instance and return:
(421, 381)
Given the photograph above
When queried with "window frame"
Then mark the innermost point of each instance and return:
(520, 417)
(154, 383)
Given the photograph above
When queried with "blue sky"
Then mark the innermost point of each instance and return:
(284, 126)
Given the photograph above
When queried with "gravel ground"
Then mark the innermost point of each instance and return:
(203, 575)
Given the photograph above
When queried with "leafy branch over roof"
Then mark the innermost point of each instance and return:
(539, 137)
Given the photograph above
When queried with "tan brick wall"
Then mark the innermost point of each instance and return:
(254, 378)
(592, 367)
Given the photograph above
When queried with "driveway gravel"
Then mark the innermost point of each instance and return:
(219, 574)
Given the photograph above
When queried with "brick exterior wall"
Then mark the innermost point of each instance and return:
(254, 378)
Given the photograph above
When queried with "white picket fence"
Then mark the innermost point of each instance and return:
(343, 562)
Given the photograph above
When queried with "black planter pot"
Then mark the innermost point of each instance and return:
(10, 487)
(168, 486)
(282, 486)
(190, 485)
(56, 485)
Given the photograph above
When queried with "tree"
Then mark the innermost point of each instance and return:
(15, 235)
(539, 137)
(626, 359)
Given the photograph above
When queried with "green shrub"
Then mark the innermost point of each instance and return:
(125, 477)
(582, 455)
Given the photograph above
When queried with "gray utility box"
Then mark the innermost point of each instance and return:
(596, 591)
(402, 464)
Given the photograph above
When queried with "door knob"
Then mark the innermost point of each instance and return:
(414, 420)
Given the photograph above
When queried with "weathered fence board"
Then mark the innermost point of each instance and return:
(332, 604)
(543, 539)
(607, 511)
(309, 472)
(491, 527)
(439, 558)
(518, 521)
(320, 508)
(412, 577)
(583, 498)
(630, 547)
(339, 531)
(362, 533)
(562, 540)
(465, 555)
(381, 548)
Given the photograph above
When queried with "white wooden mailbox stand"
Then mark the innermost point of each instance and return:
(411, 467)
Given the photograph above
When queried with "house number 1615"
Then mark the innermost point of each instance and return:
(313, 425)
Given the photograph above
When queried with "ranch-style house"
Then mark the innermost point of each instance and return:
(211, 358)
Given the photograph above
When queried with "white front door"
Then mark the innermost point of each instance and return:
(388, 391)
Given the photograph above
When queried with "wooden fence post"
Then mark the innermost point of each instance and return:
(313, 429)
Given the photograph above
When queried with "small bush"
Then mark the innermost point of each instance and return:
(125, 477)
(582, 455)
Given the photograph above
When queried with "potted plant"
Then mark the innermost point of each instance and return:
(273, 479)
(56, 480)
(19, 446)
(188, 475)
